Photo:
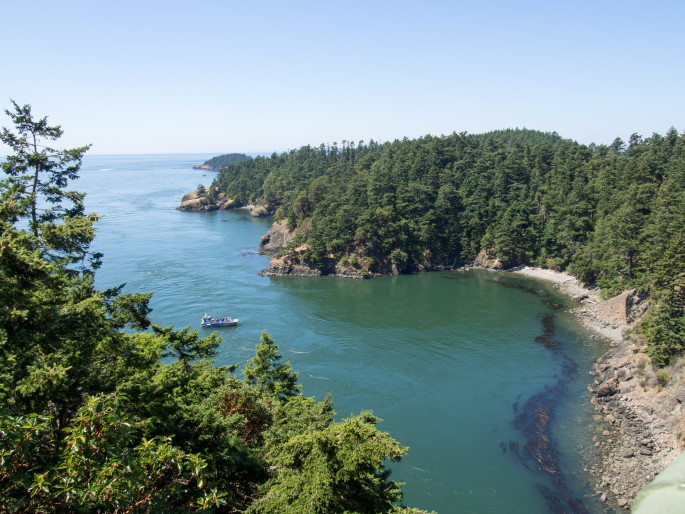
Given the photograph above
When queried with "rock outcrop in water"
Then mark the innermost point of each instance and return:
(193, 201)
(197, 202)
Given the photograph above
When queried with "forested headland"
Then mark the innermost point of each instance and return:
(221, 161)
(102, 411)
(613, 215)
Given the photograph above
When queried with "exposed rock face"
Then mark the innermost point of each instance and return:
(643, 417)
(617, 310)
(260, 210)
(483, 260)
(610, 317)
(203, 167)
(276, 238)
(279, 236)
(193, 202)
(283, 266)
(643, 421)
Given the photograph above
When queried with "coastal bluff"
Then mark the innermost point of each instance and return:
(277, 237)
(199, 201)
(290, 260)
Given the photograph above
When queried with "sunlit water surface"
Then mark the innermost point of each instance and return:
(447, 360)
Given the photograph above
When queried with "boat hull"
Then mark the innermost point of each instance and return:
(220, 324)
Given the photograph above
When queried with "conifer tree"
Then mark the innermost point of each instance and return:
(88, 410)
(265, 371)
(39, 172)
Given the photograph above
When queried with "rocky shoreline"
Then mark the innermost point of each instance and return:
(641, 408)
(193, 201)
(204, 167)
(643, 415)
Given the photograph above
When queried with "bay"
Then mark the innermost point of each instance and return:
(447, 360)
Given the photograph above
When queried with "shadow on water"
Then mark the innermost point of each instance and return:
(454, 275)
(533, 420)
(514, 285)
(499, 281)
(546, 299)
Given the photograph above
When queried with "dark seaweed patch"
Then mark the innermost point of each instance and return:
(512, 285)
(454, 275)
(533, 419)
(552, 305)
(546, 300)
(547, 332)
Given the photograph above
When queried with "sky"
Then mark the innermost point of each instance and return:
(262, 76)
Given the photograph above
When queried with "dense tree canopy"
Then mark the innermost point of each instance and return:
(221, 161)
(608, 214)
(96, 416)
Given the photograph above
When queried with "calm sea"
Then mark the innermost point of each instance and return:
(467, 369)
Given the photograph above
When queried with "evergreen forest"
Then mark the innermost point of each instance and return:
(612, 215)
(102, 411)
(221, 161)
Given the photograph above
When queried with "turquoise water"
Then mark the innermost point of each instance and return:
(447, 360)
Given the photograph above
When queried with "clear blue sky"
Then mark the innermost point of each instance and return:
(261, 76)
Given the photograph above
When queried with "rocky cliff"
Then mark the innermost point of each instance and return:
(193, 201)
(277, 237)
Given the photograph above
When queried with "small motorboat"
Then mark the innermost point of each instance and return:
(208, 321)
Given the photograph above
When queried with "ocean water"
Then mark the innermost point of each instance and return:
(474, 371)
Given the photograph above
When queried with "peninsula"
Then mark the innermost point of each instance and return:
(221, 161)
